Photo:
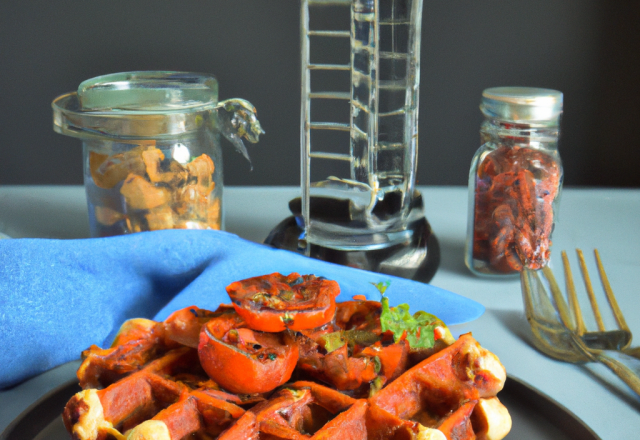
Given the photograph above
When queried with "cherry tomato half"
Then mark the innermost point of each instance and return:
(244, 361)
(184, 325)
(273, 303)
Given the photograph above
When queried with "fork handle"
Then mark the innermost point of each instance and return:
(632, 351)
(625, 367)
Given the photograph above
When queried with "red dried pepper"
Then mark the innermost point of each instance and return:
(513, 218)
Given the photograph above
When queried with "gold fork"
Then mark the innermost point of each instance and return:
(559, 331)
(602, 339)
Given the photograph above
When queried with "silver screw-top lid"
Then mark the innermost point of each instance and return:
(522, 104)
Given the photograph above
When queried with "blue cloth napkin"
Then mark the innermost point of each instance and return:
(57, 297)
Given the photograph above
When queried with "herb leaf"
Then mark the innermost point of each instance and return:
(417, 328)
(382, 286)
(333, 341)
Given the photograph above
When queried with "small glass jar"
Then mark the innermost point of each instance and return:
(151, 148)
(514, 182)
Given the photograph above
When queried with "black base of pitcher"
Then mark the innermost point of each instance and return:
(417, 260)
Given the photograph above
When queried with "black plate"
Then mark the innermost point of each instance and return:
(535, 416)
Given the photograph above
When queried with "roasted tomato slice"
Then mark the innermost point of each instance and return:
(273, 303)
(244, 361)
(184, 325)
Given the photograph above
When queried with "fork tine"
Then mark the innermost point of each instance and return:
(609, 292)
(574, 305)
(536, 300)
(526, 284)
(561, 304)
(590, 293)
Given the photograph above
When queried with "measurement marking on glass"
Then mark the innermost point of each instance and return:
(390, 145)
(331, 156)
(338, 34)
(393, 55)
(329, 126)
(329, 66)
(328, 2)
(329, 95)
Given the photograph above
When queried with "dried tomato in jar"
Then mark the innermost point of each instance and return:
(514, 182)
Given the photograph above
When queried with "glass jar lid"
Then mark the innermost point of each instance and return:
(522, 104)
(136, 104)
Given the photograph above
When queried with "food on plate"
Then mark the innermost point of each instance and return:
(273, 303)
(369, 371)
(246, 361)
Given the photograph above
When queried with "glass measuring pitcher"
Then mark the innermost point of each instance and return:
(151, 147)
(359, 140)
(364, 201)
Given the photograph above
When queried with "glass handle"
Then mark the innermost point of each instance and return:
(236, 120)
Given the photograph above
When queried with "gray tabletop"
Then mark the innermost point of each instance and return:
(588, 218)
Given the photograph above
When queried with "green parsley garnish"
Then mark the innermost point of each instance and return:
(382, 286)
(417, 329)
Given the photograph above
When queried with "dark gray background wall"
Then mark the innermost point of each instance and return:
(588, 49)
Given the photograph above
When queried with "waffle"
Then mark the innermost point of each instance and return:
(150, 384)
